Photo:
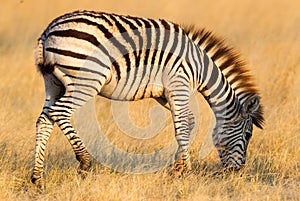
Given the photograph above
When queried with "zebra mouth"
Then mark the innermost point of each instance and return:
(232, 164)
(231, 168)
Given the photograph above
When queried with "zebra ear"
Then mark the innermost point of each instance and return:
(251, 105)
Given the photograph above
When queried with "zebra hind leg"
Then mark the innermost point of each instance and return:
(62, 116)
(61, 112)
(44, 127)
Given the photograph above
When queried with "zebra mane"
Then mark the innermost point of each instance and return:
(229, 61)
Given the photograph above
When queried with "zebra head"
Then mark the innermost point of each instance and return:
(231, 138)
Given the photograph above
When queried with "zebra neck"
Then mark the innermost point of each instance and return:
(217, 91)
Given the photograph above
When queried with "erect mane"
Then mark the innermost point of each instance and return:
(229, 62)
(225, 58)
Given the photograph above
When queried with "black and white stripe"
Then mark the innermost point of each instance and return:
(84, 54)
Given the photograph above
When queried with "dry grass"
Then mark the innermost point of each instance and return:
(267, 33)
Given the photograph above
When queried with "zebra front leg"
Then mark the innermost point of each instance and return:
(44, 127)
(183, 124)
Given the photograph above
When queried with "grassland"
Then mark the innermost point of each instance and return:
(267, 33)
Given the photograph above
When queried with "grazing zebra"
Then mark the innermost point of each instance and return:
(83, 54)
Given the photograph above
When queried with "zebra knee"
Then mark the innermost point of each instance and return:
(59, 114)
(44, 119)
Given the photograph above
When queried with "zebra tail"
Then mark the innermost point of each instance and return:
(46, 68)
(42, 66)
(39, 55)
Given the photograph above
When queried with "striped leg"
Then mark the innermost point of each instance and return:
(178, 98)
(75, 96)
(61, 101)
(44, 127)
(61, 112)
(62, 116)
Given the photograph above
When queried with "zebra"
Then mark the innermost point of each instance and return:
(86, 53)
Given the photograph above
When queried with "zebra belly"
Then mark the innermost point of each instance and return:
(133, 91)
(137, 83)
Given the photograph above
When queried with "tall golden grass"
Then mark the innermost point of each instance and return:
(267, 33)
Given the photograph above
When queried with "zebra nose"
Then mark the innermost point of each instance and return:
(241, 167)
(234, 168)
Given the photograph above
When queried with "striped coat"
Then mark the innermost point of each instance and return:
(84, 54)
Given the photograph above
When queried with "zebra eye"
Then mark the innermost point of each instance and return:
(248, 135)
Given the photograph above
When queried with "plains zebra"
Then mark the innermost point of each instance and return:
(83, 54)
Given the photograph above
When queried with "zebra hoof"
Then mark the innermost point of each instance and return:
(180, 173)
(83, 174)
(39, 183)
(84, 169)
(181, 169)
